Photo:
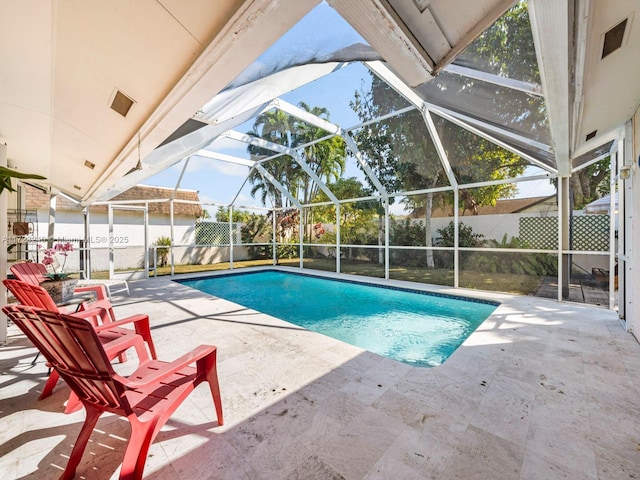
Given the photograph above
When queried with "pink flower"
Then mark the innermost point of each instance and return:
(50, 254)
(63, 247)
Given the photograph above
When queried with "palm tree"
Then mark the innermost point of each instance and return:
(274, 126)
(326, 159)
(282, 169)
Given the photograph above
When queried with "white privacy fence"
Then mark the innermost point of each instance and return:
(194, 242)
(588, 233)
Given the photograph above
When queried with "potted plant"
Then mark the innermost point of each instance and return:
(58, 285)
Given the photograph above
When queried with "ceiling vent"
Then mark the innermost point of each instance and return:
(121, 103)
(613, 38)
(591, 135)
(89, 164)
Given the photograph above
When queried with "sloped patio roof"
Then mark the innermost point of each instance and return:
(170, 59)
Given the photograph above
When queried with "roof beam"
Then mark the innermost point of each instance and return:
(500, 143)
(170, 154)
(294, 201)
(499, 9)
(262, 143)
(591, 162)
(381, 70)
(184, 169)
(232, 102)
(551, 26)
(374, 20)
(437, 143)
(256, 25)
(365, 166)
(305, 116)
(493, 129)
(335, 129)
(224, 158)
(526, 87)
(601, 139)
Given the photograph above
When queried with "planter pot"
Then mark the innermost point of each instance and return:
(60, 290)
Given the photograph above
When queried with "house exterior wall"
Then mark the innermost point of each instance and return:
(630, 310)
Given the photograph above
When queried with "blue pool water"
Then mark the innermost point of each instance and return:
(409, 326)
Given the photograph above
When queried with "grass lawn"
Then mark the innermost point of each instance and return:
(499, 282)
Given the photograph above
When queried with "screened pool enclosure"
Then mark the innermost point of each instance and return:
(319, 156)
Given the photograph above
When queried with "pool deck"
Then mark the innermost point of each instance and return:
(542, 390)
(580, 291)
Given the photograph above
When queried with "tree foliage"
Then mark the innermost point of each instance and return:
(401, 152)
(257, 230)
(506, 48)
(357, 219)
(242, 216)
(590, 183)
(350, 213)
(466, 236)
(326, 158)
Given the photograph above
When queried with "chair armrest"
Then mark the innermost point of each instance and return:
(109, 317)
(115, 347)
(99, 290)
(92, 314)
(137, 319)
(169, 369)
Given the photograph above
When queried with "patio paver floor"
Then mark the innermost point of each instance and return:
(541, 390)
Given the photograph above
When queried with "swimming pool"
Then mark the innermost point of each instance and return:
(414, 327)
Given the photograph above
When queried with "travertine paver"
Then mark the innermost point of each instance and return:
(541, 390)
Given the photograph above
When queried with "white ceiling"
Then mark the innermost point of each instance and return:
(63, 61)
(611, 86)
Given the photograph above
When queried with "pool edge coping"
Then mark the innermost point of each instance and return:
(369, 281)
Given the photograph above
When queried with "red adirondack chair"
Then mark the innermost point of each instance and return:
(111, 333)
(148, 397)
(36, 273)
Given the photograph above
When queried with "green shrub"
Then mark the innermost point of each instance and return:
(257, 229)
(406, 232)
(465, 234)
(446, 238)
(533, 264)
(162, 253)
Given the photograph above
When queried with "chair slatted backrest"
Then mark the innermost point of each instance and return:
(30, 294)
(30, 272)
(37, 297)
(72, 347)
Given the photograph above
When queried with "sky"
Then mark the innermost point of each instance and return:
(220, 182)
